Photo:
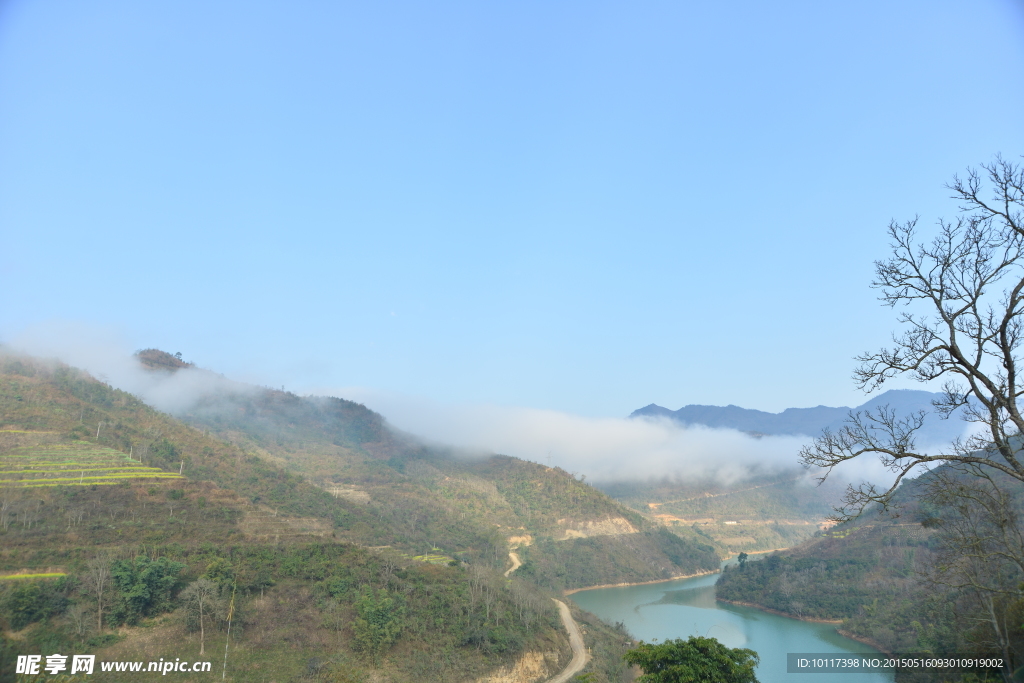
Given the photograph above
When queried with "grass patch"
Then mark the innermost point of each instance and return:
(434, 559)
(47, 575)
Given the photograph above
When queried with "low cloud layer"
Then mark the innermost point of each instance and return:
(603, 449)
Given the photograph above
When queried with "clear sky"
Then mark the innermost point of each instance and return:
(576, 206)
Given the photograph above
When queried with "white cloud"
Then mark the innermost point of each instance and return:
(604, 449)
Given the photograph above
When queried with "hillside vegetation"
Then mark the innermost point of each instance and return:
(78, 463)
(341, 551)
(884, 578)
(431, 498)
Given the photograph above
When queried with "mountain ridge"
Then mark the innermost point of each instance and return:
(810, 421)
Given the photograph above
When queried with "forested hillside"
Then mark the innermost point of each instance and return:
(338, 547)
(898, 579)
(431, 498)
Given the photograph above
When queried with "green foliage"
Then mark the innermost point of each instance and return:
(8, 656)
(220, 571)
(26, 602)
(104, 640)
(144, 587)
(783, 583)
(380, 621)
(338, 586)
(695, 660)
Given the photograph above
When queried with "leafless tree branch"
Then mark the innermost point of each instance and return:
(962, 316)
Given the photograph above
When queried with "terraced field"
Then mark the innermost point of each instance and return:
(77, 463)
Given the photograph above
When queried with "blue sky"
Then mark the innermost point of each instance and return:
(574, 206)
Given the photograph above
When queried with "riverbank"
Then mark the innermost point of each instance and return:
(570, 591)
(761, 552)
(734, 557)
(863, 639)
(813, 620)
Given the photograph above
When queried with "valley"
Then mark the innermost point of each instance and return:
(349, 551)
(766, 511)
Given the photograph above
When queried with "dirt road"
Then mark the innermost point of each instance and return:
(516, 564)
(579, 650)
(580, 657)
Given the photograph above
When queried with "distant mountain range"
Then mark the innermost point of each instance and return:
(811, 421)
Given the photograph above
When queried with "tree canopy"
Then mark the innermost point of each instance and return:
(695, 660)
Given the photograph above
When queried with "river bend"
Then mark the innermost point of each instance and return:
(686, 607)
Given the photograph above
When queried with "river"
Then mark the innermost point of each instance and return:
(686, 607)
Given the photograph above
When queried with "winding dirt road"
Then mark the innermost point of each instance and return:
(579, 650)
(516, 563)
(580, 656)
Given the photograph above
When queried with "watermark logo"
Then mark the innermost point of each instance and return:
(55, 664)
(85, 664)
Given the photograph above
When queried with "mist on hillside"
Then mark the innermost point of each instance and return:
(604, 449)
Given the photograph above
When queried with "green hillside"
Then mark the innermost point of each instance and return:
(887, 578)
(351, 553)
(432, 498)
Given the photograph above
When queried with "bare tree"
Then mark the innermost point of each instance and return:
(981, 546)
(962, 296)
(8, 508)
(78, 614)
(96, 581)
(30, 513)
(387, 572)
(75, 515)
(200, 599)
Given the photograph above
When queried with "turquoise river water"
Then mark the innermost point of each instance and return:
(686, 607)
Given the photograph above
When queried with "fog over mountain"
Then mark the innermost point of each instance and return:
(602, 448)
(728, 443)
